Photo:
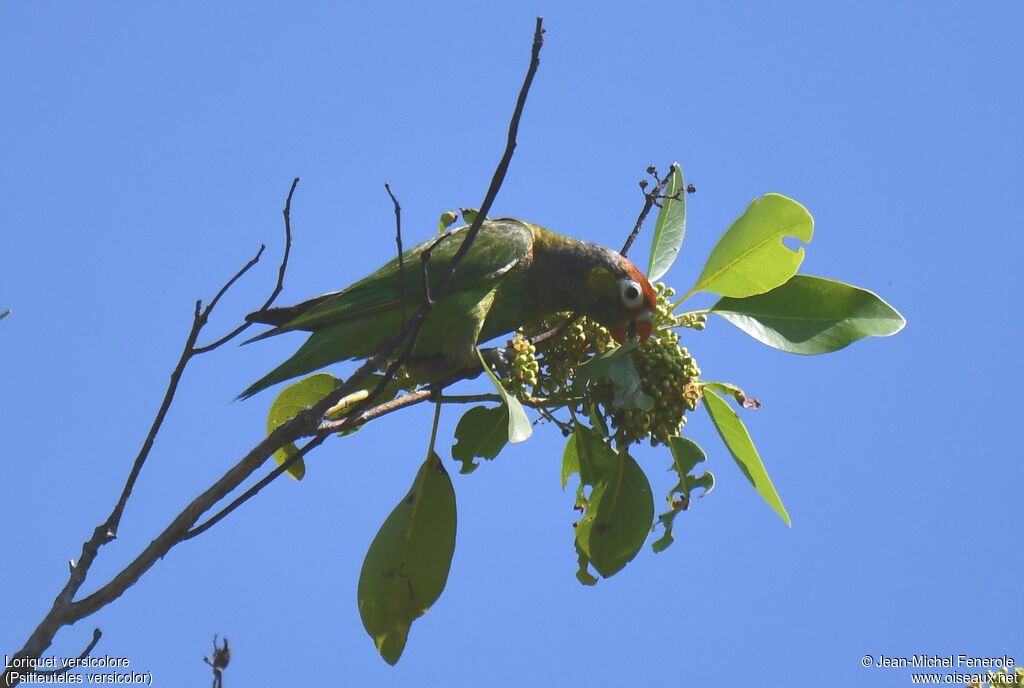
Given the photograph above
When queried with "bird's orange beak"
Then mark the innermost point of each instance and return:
(644, 325)
(641, 327)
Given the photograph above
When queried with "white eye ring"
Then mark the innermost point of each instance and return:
(631, 293)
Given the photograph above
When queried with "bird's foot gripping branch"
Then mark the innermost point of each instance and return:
(601, 359)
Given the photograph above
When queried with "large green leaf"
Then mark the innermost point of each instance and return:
(292, 400)
(481, 432)
(670, 227)
(519, 426)
(598, 367)
(737, 441)
(750, 258)
(407, 565)
(618, 515)
(811, 315)
(588, 454)
(686, 454)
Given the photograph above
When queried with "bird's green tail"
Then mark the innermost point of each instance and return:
(316, 353)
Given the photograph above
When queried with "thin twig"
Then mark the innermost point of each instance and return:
(555, 331)
(565, 428)
(467, 398)
(227, 285)
(651, 199)
(96, 635)
(428, 299)
(282, 268)
(401, 255)
(62, 611)
(413, 326)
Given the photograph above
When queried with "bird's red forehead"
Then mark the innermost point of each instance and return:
(650, 297)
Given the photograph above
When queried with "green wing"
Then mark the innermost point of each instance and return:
(499, 247)
(357, 321)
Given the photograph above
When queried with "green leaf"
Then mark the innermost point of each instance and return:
(587, 454)
(583, 574)
(737, 441)
(596, 460)
(448, 218)
(596, 419)
(597, 367)
(670, 227)
(686, 454)
(481, 432)
(469, 215)
(407, 565)
(811, 315)
(292, 400)
(519, 426)
(570, 459)
(750, 258)
(618, 516)
(627, 390)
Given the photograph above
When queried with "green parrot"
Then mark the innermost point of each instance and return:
(515, 273)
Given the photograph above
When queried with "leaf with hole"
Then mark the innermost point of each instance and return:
(737, 441)
(751, 258)
(583, 574)
(686, 454)
(482, 432)
(670, 227)
(407, 565)
(618, 515)
(811, 315)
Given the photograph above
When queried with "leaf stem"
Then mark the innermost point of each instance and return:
(682, 298)
(433, 430)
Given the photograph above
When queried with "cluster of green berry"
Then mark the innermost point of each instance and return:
(668, 374)
(664, 317)
(523, 365)
(562, 355)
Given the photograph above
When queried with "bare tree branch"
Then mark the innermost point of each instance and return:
(96, 635)
(255, 489)
(351, 418)
(64, 610)
(287, 212)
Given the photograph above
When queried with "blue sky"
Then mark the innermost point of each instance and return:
(146, 154)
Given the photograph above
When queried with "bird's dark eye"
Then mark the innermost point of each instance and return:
(632, 295)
